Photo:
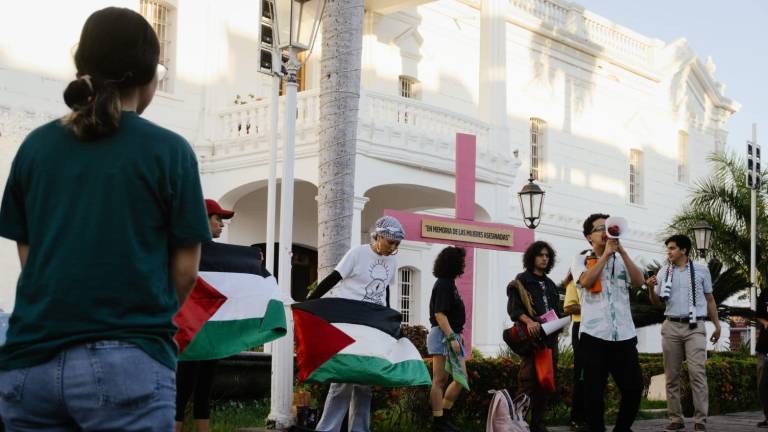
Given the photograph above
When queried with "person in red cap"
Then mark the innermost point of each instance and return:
(216, 217)
(195, 378)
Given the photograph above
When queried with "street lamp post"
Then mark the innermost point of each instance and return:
(297, 23)
(702, 233)
(531, 198)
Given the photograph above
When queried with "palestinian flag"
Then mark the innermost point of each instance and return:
(350, 341)
(233, 307)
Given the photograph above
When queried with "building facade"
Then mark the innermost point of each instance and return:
(605, 119)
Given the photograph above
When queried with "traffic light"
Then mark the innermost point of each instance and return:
(753, 165)
(758, 173)
(267, 40)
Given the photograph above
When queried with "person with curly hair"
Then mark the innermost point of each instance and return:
(447, 316)
(541, 291)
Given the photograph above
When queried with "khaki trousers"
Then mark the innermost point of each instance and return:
(679, 342)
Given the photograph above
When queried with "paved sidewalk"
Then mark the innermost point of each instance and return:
(734, 422)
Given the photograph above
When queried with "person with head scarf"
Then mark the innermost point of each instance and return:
(364, 274)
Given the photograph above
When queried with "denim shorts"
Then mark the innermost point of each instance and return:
(435, 344)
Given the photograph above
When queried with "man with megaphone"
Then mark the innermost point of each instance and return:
(608, 340)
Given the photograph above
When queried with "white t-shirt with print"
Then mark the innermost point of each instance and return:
(365, 275)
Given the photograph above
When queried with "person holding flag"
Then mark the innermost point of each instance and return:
(363, 274)
(196, 377)
(444, 342)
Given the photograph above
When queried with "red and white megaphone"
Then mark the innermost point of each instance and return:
(616, 227)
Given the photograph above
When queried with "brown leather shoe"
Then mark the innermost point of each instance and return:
(700, 427)
(675, 426)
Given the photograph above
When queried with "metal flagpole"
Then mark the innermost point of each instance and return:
(753, 236)
(271, 183)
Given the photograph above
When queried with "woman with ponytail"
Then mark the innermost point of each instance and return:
(107, 213)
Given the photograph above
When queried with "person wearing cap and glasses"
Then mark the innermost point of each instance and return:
(107, 212)
(686, 287)
(364, 273)
(195, 377)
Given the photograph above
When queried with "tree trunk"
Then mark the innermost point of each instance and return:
(342, 42)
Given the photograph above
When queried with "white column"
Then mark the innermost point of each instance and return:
(493, 72)
(282, 349)
(357, 220)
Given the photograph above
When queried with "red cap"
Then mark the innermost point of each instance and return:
(214, 208)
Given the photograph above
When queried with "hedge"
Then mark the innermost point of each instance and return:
(731, 381)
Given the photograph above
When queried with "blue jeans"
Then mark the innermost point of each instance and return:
(356, 398)
(99, 386)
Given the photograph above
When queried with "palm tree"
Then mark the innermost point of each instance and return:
(342, 41)
(722, 200)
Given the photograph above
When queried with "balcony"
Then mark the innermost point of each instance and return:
(390, 128)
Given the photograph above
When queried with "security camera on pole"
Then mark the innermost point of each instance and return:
(294, 26)
(753, 182)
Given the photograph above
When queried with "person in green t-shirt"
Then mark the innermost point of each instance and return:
(107, 212)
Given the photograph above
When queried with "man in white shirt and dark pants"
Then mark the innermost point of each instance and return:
(608, 340)
(686, 288)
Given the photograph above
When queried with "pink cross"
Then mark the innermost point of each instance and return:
(466, 156)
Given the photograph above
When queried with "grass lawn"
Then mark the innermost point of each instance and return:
(228, 416)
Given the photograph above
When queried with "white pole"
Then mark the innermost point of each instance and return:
(282, 349)
(271, 183)
(753, 247)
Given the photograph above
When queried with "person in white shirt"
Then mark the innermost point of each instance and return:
(607, 337)
(365, 274)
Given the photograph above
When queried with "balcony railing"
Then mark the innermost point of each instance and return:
(389, 126)
(584, 25)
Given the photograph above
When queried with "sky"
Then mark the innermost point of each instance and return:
(734, 33)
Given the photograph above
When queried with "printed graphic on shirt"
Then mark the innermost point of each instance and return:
(379, 272)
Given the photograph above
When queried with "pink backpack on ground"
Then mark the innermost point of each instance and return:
(506, 414)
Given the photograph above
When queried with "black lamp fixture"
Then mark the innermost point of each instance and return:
(702, 233)
(531, 197)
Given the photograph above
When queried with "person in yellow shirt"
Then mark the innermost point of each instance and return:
(572, 307)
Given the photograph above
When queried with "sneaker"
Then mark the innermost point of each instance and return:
(763, 424)
(700, 427)
(675, 426)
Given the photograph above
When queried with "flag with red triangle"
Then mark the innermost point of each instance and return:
(349, 341)
(234, 306)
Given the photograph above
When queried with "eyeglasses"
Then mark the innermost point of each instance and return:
(600, 228)
(161, 72)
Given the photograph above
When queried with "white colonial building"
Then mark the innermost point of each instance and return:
(606, 119)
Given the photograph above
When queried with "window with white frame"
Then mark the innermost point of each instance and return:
(635, 176)
(538, 138)
(407, 294)
(409, 87)
(682, 157)
(162, 16)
